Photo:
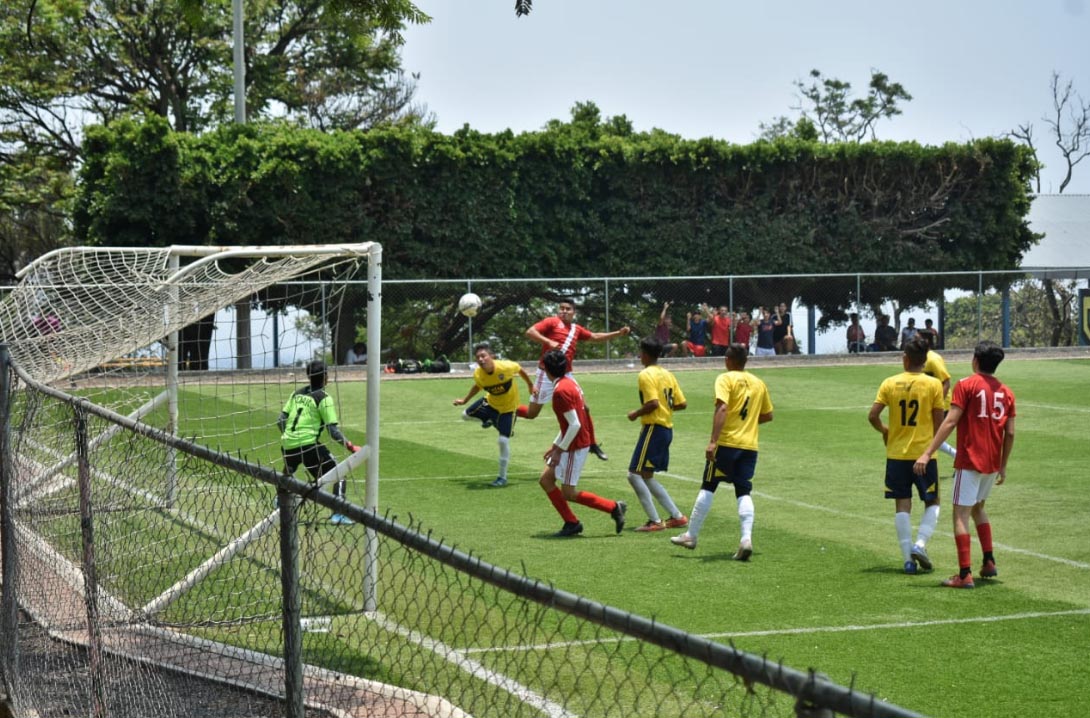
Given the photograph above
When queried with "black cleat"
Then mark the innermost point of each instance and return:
(570, 529)
(597, 451)
(617, 514)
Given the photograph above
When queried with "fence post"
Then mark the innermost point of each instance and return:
(292, 604)
(9, 607)
(90, 578)
(1006, 317)
(811, 329)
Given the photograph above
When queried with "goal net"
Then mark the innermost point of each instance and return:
(203, 344)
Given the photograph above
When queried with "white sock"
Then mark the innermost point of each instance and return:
(745, 516)
(903, 521)
(700, 511)
(949, 450)
(640, 487)
(505, 455)
(660, 493)
(927, 525)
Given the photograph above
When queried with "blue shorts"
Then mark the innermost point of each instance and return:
(504, 423)
(735, 466)
(652, 451)
(900, 478)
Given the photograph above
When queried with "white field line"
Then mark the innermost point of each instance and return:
(461, 660)
(876, 520)
(800, 631)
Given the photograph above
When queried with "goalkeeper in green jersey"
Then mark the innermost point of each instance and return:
(309, 410)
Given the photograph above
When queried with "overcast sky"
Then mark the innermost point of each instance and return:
(719, 68)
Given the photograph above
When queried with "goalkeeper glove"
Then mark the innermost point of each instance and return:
(351, 447)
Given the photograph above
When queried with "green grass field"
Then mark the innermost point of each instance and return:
(825, 587)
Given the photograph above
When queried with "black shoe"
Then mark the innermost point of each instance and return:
(570, 529)
(485, 423)
(597, 451)
(617, 514)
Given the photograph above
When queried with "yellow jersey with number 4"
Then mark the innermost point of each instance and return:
(746, 398)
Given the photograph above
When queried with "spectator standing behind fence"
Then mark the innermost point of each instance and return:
(766, 343)
(742, 403)
(663, 330)
(936, 342)
(307, 411)
(696, 326)
(743, 330)
(857, 338)
(908, 332)
(561, 332)
(720, 329)
(497, 408)
(783, 332)
(983, 412)
(567, 454)
(885, 336)
(660, 397)
(357, 354)
(915, 412)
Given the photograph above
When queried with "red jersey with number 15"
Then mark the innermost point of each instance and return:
(565, 335)
(986, 405)
(567, 396)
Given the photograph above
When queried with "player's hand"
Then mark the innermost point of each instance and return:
(709, 452)
(351, 447)
(633, 415)
(1001, 477)
(920, 467)
(552, 456)
(458, 402)
(625, 331)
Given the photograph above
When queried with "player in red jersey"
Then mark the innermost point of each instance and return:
(982, 410)
(561, 332)
(568, 453)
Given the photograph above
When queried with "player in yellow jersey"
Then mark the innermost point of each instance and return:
(915, 413)
(742, 403)
(936, 366)
(496, 377)
(660, 397)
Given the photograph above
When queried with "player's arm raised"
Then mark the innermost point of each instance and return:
(606, 336)
(535, 336)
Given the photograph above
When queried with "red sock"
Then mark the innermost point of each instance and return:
(984, 533)
(596, 502)
(523, 411)
(964, 543)
(561, 505)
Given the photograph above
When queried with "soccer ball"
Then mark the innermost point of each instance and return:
(469, 304)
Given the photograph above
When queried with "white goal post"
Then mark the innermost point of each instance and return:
(78, 309)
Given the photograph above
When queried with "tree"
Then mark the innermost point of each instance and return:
(320, 63)
(832, 113)
(1069, 129)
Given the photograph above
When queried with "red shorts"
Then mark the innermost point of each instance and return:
(697, 350)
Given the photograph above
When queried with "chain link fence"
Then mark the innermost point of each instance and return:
(1016, 309)
(228, 593)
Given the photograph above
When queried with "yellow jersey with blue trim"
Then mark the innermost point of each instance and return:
(746, 398)
(910, 398)
(936, 366)
(500, 386)
(661, 384)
